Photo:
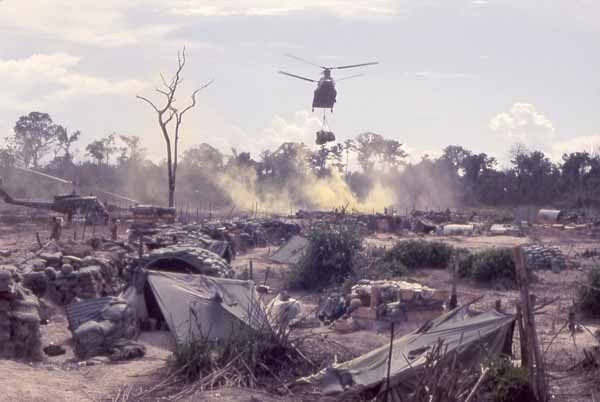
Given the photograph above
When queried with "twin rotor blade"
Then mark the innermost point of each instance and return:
(347, 78)
(330, 68)
(297, 76)
(354, 65)
(291, 56)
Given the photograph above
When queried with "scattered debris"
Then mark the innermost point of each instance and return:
(54, 350)
(125, 349)
(395, 301)
(455, 229)
(333, 308)
(500, 229)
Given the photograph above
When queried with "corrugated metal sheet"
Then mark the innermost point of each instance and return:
(549, 215)
(86, 310)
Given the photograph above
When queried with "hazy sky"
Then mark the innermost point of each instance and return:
(480, 73)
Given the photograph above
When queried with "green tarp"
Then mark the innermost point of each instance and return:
(474, 337)
(195, 305)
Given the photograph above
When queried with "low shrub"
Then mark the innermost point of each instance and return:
(493, 265)
(329, 257)
(418, 254)
(588, 294)
(510, 383)
(464, 259)
(244, 358)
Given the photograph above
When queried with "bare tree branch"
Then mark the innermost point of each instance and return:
(172, 114)
(168, 120)
(194, 97)
(150, 103)
(164, 81)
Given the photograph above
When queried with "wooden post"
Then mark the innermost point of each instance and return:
(525, 354)
(389, 365)
(453, 296)
(375, 296)
(140, 246)
(536, 364)
(39, 241)
(251, 270)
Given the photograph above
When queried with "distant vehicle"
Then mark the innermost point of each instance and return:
(90, 209)
(325, 94)
(150, 214)
(69, 204)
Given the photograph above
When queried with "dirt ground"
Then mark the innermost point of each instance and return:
(63, 378)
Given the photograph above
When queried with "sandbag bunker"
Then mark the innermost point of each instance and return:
(173, 293)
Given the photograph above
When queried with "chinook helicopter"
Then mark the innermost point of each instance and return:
(325, 94)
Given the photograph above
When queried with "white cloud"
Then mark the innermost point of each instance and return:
(114, 23)
(340, 8)
(300, 128)
(582, 143)
(524, 124)
(41, 78)
(99, 23)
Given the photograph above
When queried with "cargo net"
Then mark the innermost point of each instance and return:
(324, 135)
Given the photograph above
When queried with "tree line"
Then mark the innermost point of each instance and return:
(119, 164)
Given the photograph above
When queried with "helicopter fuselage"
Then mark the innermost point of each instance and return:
(325, 94)
(69, 204)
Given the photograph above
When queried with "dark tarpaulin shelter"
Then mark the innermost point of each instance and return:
(292, 251)
(473, 336)
(198, 305)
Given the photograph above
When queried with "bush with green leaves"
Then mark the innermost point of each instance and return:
(463, 258)
(418, 254)
(588, 294)
(509, 383)
(493, 265)
(329, 257)
(247, 356)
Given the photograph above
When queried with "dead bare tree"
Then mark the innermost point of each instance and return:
(168, 114)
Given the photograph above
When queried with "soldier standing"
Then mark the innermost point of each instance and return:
(114, 227)
(56, 228)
